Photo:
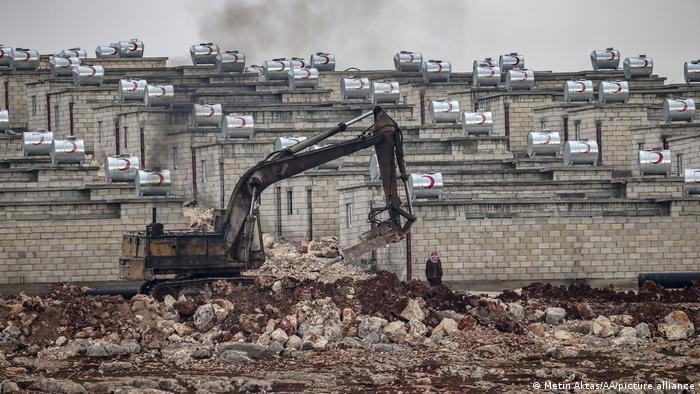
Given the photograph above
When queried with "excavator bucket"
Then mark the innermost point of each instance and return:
(384, 234)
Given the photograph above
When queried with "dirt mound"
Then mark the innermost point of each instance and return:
(581, 291)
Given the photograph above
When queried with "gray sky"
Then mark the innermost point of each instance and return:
(552, 34)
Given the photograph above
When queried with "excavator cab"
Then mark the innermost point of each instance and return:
(168, 258)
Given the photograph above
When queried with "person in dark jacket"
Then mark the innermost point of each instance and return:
(433, 269)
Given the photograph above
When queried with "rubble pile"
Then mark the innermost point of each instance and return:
(314, 260)
(290, 334)
(200, 219)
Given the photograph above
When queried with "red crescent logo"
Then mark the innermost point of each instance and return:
(295, 140)
(685, 105)
(134, 86)
(2, 52)
(432, 182)
(242, 119)
(211, 111)
(160, 176)
(362, 83)
(410, 58)
(26, 55)
(303, 63)
(619, 87)
(612, 55)
(660, 158)
(70, 62)
(548, 139)
(646, 63)
(210, 50)
(235, 57)
(77, 54)
(114, 51)
(483, 118)
(492, 72)
(588, 147)
(127, 165)
(524, 78)
(132, 47)
(696, 172)
(162, 91)
(449, 107)
(583, 87)
(517, 61)
(326, 59)
(391, 87)
(439, 67)
(94, 71)
(41, 139)
(75, 146)
(281, 65)
(307, 73)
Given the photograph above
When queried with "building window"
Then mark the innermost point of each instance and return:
(577, 130)
(348, 215)
(543, 123)
(33, 105)
(55, 119)
(204, 171)
(290, 207)
(679, 164)
(126, 137)
(175, 166)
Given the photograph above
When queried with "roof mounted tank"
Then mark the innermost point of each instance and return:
(679, 109)
(131, 89)
(159, 95)
(691, 71)
(24, 59)
(605, 59)
(385, 92)
(353, 87)
(131, 49)
(155, 182)
(230, 62)
(88, 75)
(520, 79)
(436, 71)
(122, 168)
(204, 53)
(613, 92)
(408, 61)
(61, 66)
(640, 66)
(511, 61)
(37, 143)
(581, 90)
(73, 52)
(276, 69)
(322, 61)
(238, 126)
(655, 162)
(583, 152)
(427, 185)
(543, 143)
(443, 111)
(110, 51)
(477, 123)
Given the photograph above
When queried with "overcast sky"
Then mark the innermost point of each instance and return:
(552, 34)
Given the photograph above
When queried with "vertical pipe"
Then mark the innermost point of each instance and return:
(70, 118)
(599, 140)
(506, 119)
(194, 174)
(143, 147)
(422, 107)
(48, 112)
(7, 95)
(117, 140)
(409, 266)
(154, 214)
(565, 121)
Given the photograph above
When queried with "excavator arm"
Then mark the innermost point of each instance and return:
(240, 220)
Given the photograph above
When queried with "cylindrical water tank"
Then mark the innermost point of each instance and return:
(427, 185)
(374, 173)
(204, 53)
(132, 48)
(486, 76)
(37, 143)
(153, 183)
(88, 75)
(276, 69)
(691, 180)
(4, 119)
(355, 88)
(520, 79)
(286, 142)
(655, 162)
(580, 152)
(384, 92)
(122, 168)
(131, 89)
(24, 59)
(613, 91)
(257, 70)
(605, 59)
(640, 66)
(578, 91)
(67, 151)
(159, 95)
(230, 62)
(543, 143)
(679, 109)
(511, 61)
(73, 52)
(691, 71)
(107, 51)
(443, 111)
(474, 123)
(237, 126)
(487, 62)
(303, 78)
(408, 61)
(5, 56)
(322, 61)
(297, 62)
(61, 66)
(207, 115)
(436, 71)
(331, 165)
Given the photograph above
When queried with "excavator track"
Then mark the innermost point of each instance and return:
(190, 288)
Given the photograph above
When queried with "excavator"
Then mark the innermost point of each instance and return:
(168, 262)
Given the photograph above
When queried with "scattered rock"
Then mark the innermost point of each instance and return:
(382, 379)
(622, 320)
(251, 350)
(580, 310)
(275, 347)
(642, 330)
(313, 340)
(676, 326)
(279, 335)
(396, 331)
(563, 335)
(294, 342)
(554, 315)
(416, 327)
(412, 311)
(467, 323)
(628, 332)
(602, 327)
(115, 366)
(351, 343)
(234, 357)
(536, 329)
(446, 327)
(204, 318)
(185, 308)
(517, 311)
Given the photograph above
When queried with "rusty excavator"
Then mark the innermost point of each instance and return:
(166, 262)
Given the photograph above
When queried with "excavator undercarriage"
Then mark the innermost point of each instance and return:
(171, 261)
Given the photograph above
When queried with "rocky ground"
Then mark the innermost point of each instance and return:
(292, 332)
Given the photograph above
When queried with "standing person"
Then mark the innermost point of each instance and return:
(433, 269)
